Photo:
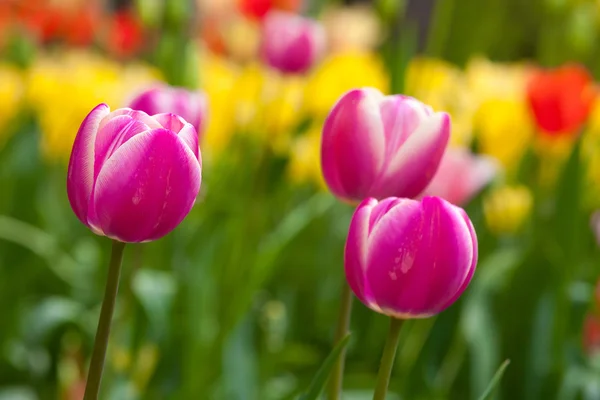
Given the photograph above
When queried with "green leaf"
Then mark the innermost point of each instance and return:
(155, 290)
(491, 389)
(318, 383)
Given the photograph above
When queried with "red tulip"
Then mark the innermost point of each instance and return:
(561, 99)
(591, 334)
(125, 34)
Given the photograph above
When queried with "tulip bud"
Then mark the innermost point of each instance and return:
(291, 43)
(461, 175)
(133, 177)
(381, 146)
(409, 259)
(190, 105)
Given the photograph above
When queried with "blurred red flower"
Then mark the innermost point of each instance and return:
(591, 334)
(258, 8)
(561, 99)
(124, 34)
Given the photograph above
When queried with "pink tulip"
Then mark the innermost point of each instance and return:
(133, 177)
(381, 146)
(410, 259)
(461, 175)
(291, 43)
(192, 106)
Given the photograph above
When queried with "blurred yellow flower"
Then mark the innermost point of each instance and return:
(489, 80)
(504, 130)
(62, 89)
(305, 158)
(590, 151)
(443, 87)
(338, 74)
(506, 208)
(218, 78)
(11, 95)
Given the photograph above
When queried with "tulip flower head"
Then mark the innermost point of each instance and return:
(591, 334)
(407, 258)
(133, 177)
(461, 175)
(291, 43)
(561, 99)
(381, 146)
(192, 106)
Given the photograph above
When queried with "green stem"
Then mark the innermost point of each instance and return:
(387, 360)
(92, 387)
(337, 377)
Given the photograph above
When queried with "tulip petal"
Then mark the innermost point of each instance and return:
(147, 187)
(353, 144)
(80, 178)
(113, 134)
(401, 116)
(183, 129)
(419, 280)
(417, 160)
(355, 252)
(473, 266)
(135, 114)
(393, 244)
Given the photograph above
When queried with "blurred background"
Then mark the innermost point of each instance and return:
(240, 301)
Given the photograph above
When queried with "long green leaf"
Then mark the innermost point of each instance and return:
(491, 389)
(318, 383)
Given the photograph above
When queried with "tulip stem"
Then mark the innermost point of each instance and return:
(343, 325)
(92, 387)
(387, 360)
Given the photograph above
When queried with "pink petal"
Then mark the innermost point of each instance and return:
(135, 114)
(113, 134)
(414, 165)
(352, 147)
(461, 175)
(80, 177)
(185, 130)
(355, 252)
(147, 187)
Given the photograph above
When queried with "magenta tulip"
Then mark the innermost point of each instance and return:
(381, 146)
(192, 106)
(410, 259)
(291, 43)
(461, 175)
(133, 177)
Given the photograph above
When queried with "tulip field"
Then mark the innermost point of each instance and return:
(299, 200)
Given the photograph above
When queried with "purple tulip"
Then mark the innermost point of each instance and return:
(133, 177)
(291, 43)
(190, 105)
(410, 259)
(381, 146)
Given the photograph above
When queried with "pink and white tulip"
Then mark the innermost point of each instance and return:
(290, 42)
(407, 258)
(192, 106)
(461, 175)
(381, 146)
(133, 177)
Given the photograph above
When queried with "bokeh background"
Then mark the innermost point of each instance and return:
(240, 301)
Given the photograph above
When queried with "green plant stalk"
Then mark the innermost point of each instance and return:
(92, 387)
(387, 360)
(341, 331)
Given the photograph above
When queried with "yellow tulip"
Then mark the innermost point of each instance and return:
(339, 73)
(506, 208)
(504, 130)
(443, 87)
